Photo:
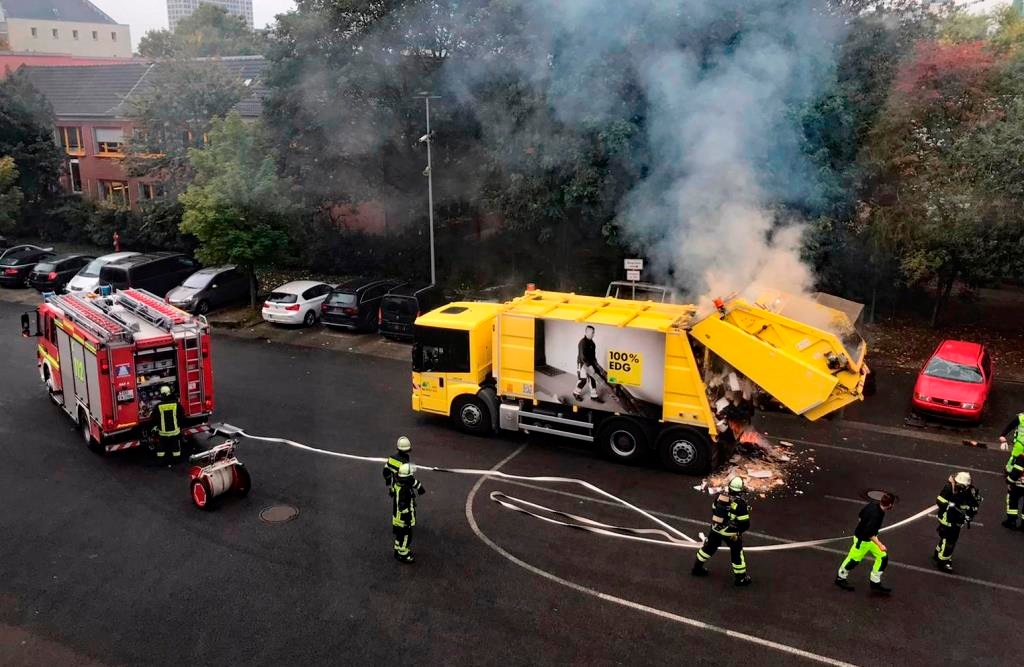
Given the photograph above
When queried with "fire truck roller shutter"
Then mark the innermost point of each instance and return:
(67, 371)
(92, 375)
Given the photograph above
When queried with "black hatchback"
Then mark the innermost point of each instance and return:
(53, 275)
(354, 303)
(401, 306)
(18, 261)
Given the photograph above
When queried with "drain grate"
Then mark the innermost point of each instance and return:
(278, 513)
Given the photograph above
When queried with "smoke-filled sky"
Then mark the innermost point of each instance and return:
(145, 15)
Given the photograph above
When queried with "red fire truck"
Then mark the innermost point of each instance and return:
(103, 359)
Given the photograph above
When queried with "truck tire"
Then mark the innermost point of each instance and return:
(471, 415)
(684, 450)
(623, 440)
(90, 442)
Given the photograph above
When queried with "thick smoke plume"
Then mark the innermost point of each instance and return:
(723, 82)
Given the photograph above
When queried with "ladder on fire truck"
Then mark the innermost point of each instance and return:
(83, 314)
(179, 324)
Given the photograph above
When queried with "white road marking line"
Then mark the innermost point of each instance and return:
(949, 466)
(840, 552)
(683, 620)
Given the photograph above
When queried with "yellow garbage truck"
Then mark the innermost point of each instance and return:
(634, 376)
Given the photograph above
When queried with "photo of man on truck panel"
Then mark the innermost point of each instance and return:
(586, 366)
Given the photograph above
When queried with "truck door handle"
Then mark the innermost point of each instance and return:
(440, 382)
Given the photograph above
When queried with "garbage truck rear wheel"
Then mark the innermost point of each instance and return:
(684, 450)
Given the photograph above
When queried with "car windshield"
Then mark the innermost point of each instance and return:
(92, 269)
(45, 267)
(198, 280)
(948, 370)
(282, 297)
(342, 299)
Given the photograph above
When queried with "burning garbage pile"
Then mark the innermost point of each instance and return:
(765, 468)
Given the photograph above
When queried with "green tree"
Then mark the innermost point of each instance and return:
(26, 135)
(237, 205)
(10, 195)
(174, 113)
(209, 31)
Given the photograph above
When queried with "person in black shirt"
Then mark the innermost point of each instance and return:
(865, 542)
(586, 365)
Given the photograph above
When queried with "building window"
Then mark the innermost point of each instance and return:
(95, 35)
(149, 191)
(35, 32)
(56, 33)
(75, 176)
(71, 140)
(74, 34)
(109, 141)
(115, 192)
(113, 36)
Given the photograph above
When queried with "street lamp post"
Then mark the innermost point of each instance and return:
(428, 139)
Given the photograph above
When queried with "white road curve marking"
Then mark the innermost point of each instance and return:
(840, 552)
(948, 466)
(660, 613)
(846, 500)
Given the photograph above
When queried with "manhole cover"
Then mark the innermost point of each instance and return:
(279, 513)
(876, 495)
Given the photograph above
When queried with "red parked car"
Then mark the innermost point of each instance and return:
(955, 382)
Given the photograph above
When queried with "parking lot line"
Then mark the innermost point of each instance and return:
(772, 538)
(660, 613)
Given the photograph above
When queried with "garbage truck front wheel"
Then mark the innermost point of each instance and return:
(685, 451)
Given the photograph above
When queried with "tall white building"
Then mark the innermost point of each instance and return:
(179, 9)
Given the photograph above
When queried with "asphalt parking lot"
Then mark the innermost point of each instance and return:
(106, 562)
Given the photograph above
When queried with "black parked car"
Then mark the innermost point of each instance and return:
(353, 304)
(17, 262)
(156, 272)
(53, 275)
(401, 306)
(211, 288)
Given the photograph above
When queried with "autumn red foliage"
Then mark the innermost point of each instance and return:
(956, 78)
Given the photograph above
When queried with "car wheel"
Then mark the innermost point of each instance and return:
(310, 319)
(201, 495)
(471, 415)
(684, 450)
(203, 307)
(622, 440)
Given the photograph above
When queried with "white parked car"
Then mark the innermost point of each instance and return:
(88, 279)
(296, 302)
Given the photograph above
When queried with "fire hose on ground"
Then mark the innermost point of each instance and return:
(673, 537)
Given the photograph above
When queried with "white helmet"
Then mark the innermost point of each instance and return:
(165, 391)
(404, 444)
(963, 478)
(406, 470)
(736, 485)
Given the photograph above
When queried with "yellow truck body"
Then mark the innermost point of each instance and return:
(632, 376)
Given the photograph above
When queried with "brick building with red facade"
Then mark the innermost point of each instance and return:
(91, 103)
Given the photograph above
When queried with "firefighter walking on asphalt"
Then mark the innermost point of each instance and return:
(1014, 470)
(730, 519)
(168, 430)
(395, 461)
(958, 504)
(403, 512)
(866, 542)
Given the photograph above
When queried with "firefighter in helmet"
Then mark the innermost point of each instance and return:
(958, 504)
(730, 519)
(168, 431)
(403, 510)
(395, 461)
(1014, 469)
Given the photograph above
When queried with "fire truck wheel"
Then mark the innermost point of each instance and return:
(471, 415)
(201, 495)
(90, 442)
(622, 440)
(684, 450)
(242, 481)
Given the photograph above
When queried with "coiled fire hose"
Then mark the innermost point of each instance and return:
(673, 537)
